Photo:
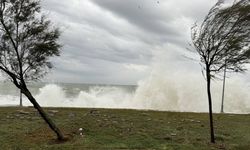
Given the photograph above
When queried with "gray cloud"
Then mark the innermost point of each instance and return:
(114, 41)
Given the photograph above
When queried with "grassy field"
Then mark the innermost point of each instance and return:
(22, 128)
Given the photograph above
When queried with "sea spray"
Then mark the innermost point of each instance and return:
(156, 92)
(104, 96)
(176, 84)
(188, 93)
(52, 95)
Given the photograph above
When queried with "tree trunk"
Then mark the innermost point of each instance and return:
(210, 106)
(43, 114)
(21, 99)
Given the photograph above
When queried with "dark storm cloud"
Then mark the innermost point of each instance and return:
(145, 14)
(166, 19)
(113, 41)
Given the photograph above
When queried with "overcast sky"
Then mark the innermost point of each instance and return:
(114, 41)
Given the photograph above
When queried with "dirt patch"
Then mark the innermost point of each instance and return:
(67, 138)
(46, 135)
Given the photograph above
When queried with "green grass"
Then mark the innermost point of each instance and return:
(121, 129)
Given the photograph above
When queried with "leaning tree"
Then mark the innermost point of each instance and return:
(27, 41)
(223, 40)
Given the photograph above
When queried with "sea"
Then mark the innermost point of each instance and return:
(69, 94)
(158, 92)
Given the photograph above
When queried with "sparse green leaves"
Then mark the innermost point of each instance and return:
(27, 39)
(223, 36)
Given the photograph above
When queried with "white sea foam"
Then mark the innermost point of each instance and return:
(176, 84)
(188, 93)
(156, 92)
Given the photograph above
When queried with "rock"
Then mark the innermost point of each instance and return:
(81, 134)
(179, 128)
(173, 134)
(53, 111)
(21, 117)
(93, 111)
(35, 118)
(161, 121)
(192, 120)
(71, 115)
(17, 115)
(33, 110)
(9, 117)
(144, 114)
(51, 114)
(112, 117)
(114, 122)
(23, 112)
(167, 138)
(149, 119)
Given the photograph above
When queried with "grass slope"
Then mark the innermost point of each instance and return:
(22, 128)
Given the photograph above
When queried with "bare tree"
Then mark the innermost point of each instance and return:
(223, 39)
(27, 41)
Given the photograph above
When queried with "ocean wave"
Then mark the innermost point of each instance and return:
(157, 92)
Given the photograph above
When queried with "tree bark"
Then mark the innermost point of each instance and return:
(210, 105)
(21, 99)
(43, 114)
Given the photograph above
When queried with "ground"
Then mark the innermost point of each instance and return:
(22, 128)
